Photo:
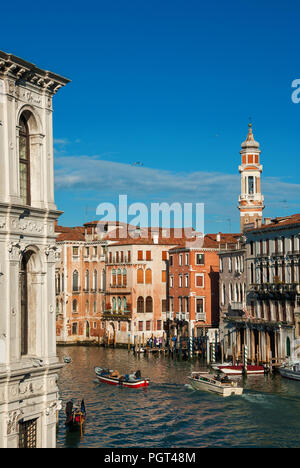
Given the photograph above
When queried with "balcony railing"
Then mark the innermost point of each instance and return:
(118, 285)
(201, 317)
(115, 314)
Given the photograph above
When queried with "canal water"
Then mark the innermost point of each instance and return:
(169, 414)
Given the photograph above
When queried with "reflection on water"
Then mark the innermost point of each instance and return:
(169, 413)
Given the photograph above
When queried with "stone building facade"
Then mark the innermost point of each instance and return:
(29, 398)
(259, 276)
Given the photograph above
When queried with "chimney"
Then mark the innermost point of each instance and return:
(219, 237)
(267, 220)
(258, 222)
(155, 238)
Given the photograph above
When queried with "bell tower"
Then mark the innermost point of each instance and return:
(251, 200)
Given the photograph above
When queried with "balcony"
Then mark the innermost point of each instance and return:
(200, 317)
(113, 286)
(237, 305)
(111, 314)
(278, 290)
(114, 261)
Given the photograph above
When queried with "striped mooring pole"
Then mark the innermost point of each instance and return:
(191, 347)
(245, 357)
(213, 352)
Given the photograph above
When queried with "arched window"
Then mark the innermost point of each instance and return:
(114, 304)
(119, 275)
(119, 303)
(95, 280)
(149, 304)
(114, 277)
(74, 306)
(148, 276)
(125, 303)
(87, 280)
(140, 276)
(75, 281)
(140, 305)
(24, 161)
(124, 277)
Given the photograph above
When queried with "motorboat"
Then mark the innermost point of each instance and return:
(217, 384)
(115, 378)
(290, 370)
(240, 369)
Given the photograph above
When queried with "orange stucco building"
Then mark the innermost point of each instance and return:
(194, 284)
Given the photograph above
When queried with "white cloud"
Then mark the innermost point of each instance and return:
(218, 191)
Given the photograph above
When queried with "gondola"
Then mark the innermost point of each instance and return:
(75, 417)
(127, 380)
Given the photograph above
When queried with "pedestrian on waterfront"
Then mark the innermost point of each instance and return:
(155, 342)
(160, 342)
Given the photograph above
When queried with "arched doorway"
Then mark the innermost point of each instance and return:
(288, 347)
(87, 329)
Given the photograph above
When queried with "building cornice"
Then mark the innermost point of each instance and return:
(23, 71)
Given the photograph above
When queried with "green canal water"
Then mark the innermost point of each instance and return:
(169, 414)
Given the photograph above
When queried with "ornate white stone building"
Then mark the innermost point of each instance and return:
(29, 398)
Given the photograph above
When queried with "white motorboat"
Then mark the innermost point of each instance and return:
(217, 384)
(290, 370)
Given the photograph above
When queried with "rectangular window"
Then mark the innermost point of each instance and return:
(186, 281)
(199, 305)
(148, 325)
(164, 305)
(148, 255)
(163, 276)
(171, 260)
(128, 256)
(199, 281)
(164, 255)
(180, 259)
(180, 281)
(28, 434)
(74, 328)
(158, 324)
(199, 259)
(140, 255)
(171, 281)
(141, 326)
(187, 259)
(75, 251)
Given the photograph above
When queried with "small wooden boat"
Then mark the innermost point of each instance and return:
(217, 384)
(75, 417)
(290, 370)
(114, 378)
(240, 369)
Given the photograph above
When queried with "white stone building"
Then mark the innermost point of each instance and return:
(29, 398)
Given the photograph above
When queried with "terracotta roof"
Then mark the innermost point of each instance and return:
(70, 233)
(278, 223)
(211, 241)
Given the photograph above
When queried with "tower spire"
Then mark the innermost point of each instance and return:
(251, 201)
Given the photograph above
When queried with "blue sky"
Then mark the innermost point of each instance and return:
(169, 84)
